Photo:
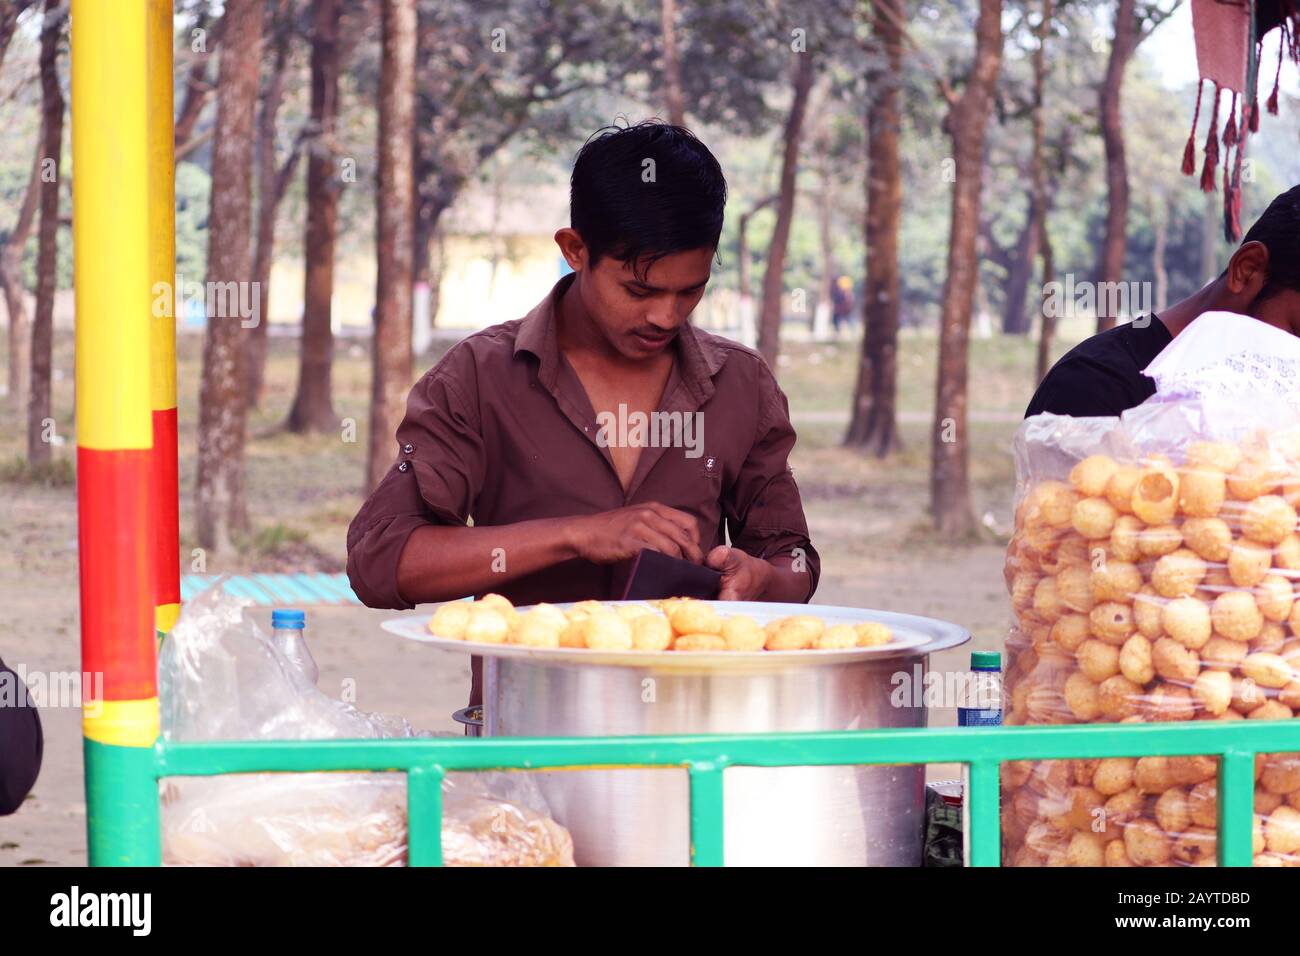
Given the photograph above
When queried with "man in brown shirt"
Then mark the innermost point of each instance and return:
(601, 423)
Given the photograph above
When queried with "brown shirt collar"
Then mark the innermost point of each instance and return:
(698, 358)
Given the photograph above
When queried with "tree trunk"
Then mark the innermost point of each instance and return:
(1160, 226)
(272, 182)
(950, 499)
(672, 66)
(769, 325)
(874, 422)
(1111, 266)
(39, 417)
(1048, 328)
(313, 410)
(1211, 220)
(1015, 317)
(395, 205)
(220, 508)
(15, 293)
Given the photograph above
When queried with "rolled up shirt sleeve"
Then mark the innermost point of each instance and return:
(434, 481)
(21, 741)
(765, 516)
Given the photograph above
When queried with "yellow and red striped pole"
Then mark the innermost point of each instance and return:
(162, 269)
(115, 507)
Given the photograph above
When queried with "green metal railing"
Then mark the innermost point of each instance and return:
(705, 757)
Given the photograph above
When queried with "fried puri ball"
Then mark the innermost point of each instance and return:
(1090, 476)
(742, 633)
(1178, 574)
(1074, 588)
(1213, 691)
(700, 642)
(572, 634)
(1248, 562)
(1085, 849)
(1254, 477)
(1273, 638)
(1286, 554)
(501, 605)
(1174, 662)
(1275, 597)
(1097, 659)
(1201, 492)
(1282, 830)
(1112, 622)
(1236, 616)
(795, 634)
(873, 634)
(1211, 455)
(1113, 775)
(1050, 503)
(629, 612)
(1268, 519)
(1194, 845)
(1271, 710)
(696, 617)
(652, 632)
(1155, 496)
(1135, 660)
(1267, 670)
(1147, 608)
(486, 625)
(1069, 631)
(1187, 621)
(536, 632)
(1081, 696)
(1168, 702)
(1281, 774)
(605, 631)
(1159, 540)
(1210, 538)
(1124, 538)
(1119, 698)
(1093, 517)
(1046, 603)
(837, 637)
(1113, 580)
(1119, 490)
(449, 620)
(1116, 855)
(1146, 844)
(1171, 810)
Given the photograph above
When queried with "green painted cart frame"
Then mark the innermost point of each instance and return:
(134, 838)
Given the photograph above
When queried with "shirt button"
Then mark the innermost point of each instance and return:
(404, 466)
(407, 448)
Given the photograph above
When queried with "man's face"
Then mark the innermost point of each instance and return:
(640, 316)
(1248, 292)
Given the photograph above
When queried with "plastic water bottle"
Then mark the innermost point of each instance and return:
(980, 702)
(287, 627)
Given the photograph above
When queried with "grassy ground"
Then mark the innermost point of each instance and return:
(868, 520)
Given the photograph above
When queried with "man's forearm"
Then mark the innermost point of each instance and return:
(786, 584)
(442, 563)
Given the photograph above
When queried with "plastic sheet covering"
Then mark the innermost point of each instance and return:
(221, 678)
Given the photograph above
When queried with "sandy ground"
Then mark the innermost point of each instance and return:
(391, 674)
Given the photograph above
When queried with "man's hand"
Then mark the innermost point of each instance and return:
(744, 577)
(619, 534)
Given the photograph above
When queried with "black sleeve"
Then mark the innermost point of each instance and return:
(21, 741)
(1084, 389)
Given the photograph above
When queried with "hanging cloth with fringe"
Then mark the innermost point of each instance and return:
(1229, 41)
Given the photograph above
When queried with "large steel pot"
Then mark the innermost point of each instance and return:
(823, 816)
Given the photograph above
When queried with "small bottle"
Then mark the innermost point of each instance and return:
(287, 627)
(980, 703)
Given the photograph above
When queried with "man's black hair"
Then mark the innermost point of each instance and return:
(642, 192)
(1279, 230)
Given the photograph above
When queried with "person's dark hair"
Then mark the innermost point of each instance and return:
(638, 211)
(1279, 230)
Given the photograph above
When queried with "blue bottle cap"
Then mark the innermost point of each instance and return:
(288, 618)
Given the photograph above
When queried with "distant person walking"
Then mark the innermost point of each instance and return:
(842, 303)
